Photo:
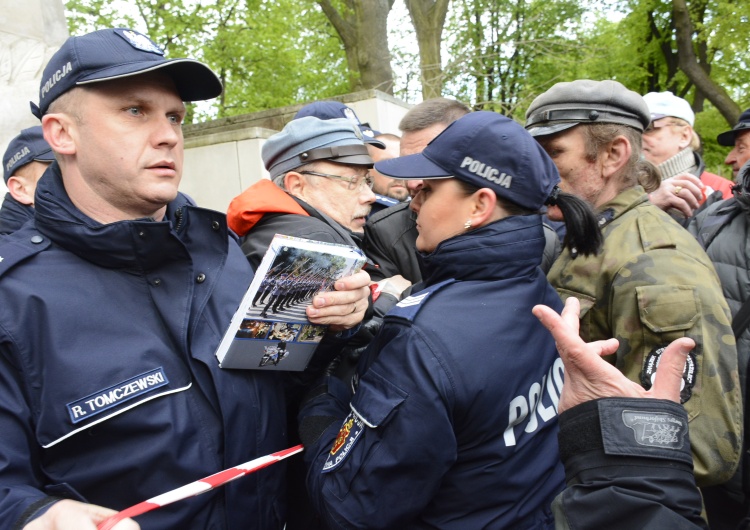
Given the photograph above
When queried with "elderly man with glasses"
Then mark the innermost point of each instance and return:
(320, 187)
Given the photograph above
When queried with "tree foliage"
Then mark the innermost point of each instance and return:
(503, 52)
(693, 51)
(493, 54)
(259, 48)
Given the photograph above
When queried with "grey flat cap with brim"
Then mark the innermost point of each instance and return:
(308, 139)
(585, 101)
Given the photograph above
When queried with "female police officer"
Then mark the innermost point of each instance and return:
(453, 420)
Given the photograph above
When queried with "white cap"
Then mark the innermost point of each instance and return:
(663, 104)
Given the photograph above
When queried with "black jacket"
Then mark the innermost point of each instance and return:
(627, 465)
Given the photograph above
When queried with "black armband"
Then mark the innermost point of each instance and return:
(627, 427)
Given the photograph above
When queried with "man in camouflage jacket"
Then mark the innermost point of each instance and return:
(651, 283)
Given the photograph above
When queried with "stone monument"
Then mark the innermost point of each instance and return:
(30, 32)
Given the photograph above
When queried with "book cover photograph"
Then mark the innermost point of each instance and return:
(270, 330)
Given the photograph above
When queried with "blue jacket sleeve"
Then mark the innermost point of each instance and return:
(390, 446)
(628, 465)
(21, 496)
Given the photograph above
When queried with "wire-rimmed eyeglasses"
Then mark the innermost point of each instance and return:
(652, 126)
(354, 182)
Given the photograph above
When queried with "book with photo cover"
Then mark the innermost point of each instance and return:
(270, 330)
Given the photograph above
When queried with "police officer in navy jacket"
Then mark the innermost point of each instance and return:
(453, 419)
(26, 159)
(115, 299)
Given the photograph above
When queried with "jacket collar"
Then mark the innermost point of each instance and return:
(624, 201)
(135, 244)
(344, 232)
(507, 248)
(262, 198)
(13, 214)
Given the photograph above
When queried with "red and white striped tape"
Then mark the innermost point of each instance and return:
(199, 486)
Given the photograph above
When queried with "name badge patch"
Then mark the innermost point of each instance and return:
(350, 432)
(114, 395)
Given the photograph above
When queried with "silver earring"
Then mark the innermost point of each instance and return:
(467, 224)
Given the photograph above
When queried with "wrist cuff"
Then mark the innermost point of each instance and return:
(633, 427)
(35, 510)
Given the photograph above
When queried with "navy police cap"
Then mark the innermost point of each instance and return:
(331, 110)
(114, 53)
(487, 150)
(27, 147)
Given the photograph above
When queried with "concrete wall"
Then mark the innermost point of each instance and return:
(222, 157)
(219, 166)
(30, 32)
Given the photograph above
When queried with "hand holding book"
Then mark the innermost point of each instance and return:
(300, 288)
(333, 307)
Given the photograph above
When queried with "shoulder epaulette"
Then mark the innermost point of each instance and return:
(18, 247)
(652, 231)
(408, 308)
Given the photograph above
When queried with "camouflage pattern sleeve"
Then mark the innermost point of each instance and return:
(651, 284)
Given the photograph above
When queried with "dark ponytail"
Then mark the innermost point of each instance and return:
(581, 224)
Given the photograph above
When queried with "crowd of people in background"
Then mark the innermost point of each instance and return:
(552, 329)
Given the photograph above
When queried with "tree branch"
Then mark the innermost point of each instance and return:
(688, 63)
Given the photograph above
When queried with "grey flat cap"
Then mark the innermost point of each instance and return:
(307, 139)
(585, 101)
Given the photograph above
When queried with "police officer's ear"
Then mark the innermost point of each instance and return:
(484, 208)
(615, 156)
(59, 132)
(22, 184)
(21, 189)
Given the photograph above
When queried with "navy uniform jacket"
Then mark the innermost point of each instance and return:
(13, 214)
(453, 423)
(109, 389)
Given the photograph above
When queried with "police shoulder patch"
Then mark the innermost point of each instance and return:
(689, 374)
(409, 307)
(350, 432)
